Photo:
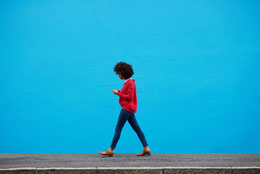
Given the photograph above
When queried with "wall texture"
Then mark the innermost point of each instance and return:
(196, 64)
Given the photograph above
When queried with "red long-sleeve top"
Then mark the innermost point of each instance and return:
(127, 96)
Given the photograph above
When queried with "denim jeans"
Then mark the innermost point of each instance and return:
(123, 117)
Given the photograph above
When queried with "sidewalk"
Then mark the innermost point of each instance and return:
(130, 163)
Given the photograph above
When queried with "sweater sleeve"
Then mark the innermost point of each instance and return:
(130, 92)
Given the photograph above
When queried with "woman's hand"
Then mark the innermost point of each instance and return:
(114, 91)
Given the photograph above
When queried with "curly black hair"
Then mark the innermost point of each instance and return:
(124, 69)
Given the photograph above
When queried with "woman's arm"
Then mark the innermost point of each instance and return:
(130, 92)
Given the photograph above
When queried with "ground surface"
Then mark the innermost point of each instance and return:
(127, 160)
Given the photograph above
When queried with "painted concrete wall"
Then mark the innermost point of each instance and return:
(196, 67)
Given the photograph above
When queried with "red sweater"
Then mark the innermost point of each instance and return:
(127, 96)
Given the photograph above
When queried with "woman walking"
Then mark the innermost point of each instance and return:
(128, 101)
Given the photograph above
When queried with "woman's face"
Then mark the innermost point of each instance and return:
(120, 76)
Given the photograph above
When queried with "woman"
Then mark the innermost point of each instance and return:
(128, 101)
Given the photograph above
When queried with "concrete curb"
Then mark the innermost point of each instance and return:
(135, 170)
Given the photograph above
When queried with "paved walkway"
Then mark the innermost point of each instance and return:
(130, 161)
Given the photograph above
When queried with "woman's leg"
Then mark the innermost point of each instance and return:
(123, 117)
(133, 122)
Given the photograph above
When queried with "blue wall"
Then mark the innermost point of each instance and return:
(196, 64)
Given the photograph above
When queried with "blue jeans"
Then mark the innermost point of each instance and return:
(123, 117)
